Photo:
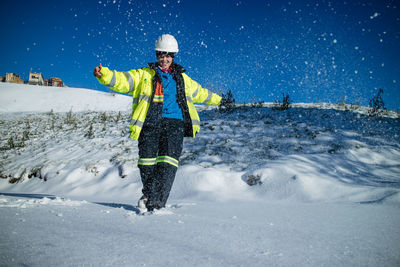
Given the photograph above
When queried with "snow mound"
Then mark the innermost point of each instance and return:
(32, 98)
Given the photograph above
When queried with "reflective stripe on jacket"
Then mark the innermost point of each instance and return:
(140, 82)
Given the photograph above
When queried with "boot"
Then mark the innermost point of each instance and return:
(142, 202)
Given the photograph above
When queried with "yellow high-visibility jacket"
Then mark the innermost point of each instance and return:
(140, 83)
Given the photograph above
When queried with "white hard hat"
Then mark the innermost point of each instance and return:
(166, 43)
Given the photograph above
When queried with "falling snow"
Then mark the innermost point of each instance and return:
(284, 42)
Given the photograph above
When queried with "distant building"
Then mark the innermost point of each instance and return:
(54, 82)
(13, 78)
(36, 78)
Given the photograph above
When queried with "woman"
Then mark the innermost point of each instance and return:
(163, 112)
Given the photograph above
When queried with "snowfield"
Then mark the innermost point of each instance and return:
(315, 185)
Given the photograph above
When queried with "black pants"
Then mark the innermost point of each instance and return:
(160, 147)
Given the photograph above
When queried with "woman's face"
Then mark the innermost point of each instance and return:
(165, 61)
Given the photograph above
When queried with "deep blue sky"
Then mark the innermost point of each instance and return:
(325, 51)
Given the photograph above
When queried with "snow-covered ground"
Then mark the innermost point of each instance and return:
(315, 185)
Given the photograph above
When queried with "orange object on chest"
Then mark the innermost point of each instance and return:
(159, 93)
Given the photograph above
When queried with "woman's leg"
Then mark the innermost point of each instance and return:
(169, 151)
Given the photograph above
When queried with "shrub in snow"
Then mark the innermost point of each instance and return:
(104, 117)
(284, 105)
(118, 117)
(90, 133)
(70, 118)
(377, 105)
(227, 102)
(19, 177)
(258, 104)
(11, 143)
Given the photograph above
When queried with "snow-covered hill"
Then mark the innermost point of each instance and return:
(310, 186)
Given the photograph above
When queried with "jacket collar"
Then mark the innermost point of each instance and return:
(176, 68)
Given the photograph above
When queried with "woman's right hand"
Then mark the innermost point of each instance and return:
(96, 71)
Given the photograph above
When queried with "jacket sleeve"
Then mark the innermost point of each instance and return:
(122, 82)
(202, 95)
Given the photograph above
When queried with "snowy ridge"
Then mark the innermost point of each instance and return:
(296, 178)
(340, 106)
